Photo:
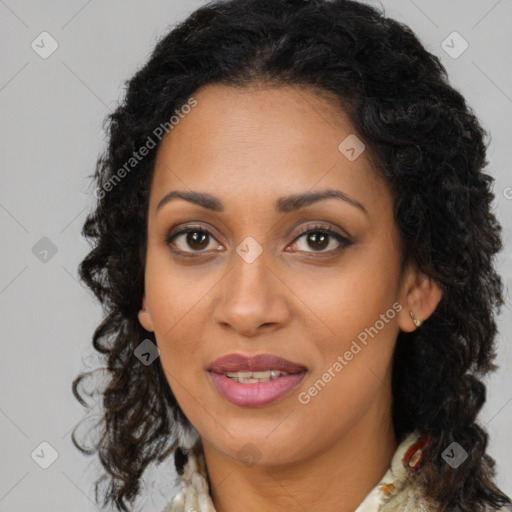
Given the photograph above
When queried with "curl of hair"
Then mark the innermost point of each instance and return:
(422, 137)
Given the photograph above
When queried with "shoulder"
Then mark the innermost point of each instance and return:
(399, 486)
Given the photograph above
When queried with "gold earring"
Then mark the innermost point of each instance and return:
(417, 322)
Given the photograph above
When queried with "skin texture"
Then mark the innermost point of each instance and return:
(249, 147)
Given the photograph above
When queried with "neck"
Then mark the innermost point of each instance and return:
(337, 479)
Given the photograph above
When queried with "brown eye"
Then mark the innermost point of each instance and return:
(189, 240)
(318, 239)
(196, 239)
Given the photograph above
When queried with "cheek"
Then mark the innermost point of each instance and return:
(340, 403)
(354, 370)
(358, 306)
(362, 341)
(172, 290)
(177, 308)
(353, 297)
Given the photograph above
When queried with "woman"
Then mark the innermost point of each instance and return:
(294, 244)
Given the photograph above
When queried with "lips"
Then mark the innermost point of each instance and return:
(257, 394)
(256, 363)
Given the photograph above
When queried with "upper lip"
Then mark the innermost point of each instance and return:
(255, 363)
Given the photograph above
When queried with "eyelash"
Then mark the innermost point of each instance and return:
(345, 242)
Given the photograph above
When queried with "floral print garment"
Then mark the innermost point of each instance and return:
(394, 492)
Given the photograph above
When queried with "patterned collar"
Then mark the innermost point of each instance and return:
(394, 492)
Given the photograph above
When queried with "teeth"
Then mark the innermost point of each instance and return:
(243, 375)
(252, 377)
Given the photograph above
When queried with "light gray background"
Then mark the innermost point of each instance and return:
(52, 112)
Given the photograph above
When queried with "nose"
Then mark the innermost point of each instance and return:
(253, 298)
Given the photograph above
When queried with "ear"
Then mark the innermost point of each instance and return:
(419, 294)
(145, 317)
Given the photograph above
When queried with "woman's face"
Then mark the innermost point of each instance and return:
(248, 282)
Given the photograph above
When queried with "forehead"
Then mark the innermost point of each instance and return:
(259, 144)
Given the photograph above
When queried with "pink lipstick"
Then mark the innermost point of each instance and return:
(255, 381)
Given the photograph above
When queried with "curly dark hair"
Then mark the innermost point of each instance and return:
(422, 137)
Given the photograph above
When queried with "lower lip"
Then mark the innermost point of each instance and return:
(256, 393)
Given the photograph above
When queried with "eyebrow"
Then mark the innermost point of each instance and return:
(283, 204)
